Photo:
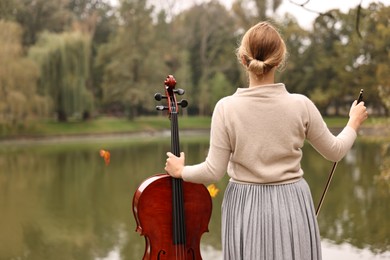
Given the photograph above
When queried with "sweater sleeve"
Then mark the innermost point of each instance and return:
(333, 148)
(215, 165)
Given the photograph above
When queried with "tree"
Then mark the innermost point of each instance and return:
(221, 87)
(384, 87)
(327, 61)
(210, 43)
(97, 18)
(338, 61)
(19, 102)
(295, 70)
(6, 9)
(249, 12)
(125, 60)
(36, 16)
(375, 53)
(64, 64)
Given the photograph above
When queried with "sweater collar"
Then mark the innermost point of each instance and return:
(262, 91)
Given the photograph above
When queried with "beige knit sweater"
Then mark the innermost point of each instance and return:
(257, 136)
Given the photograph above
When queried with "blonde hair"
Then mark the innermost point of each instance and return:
(262, 48)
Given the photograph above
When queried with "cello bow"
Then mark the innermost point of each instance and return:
(360, 98)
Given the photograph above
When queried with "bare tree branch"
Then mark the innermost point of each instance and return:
(357, 23)
(303, 5)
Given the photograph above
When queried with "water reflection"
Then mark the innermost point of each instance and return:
(62, 202)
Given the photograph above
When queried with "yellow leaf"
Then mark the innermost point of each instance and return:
(213, 190)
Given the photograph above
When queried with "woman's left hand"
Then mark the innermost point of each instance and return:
(175, 165)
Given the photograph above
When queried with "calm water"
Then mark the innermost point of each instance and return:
(59, 201)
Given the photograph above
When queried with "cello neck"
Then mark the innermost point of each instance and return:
(179, 230)
(175, 142)
(178, 216)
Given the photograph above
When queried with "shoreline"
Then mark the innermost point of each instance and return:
(26, 140)
(364, 132)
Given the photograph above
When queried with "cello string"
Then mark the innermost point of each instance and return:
(174, 191)
(181, 216)
(178, 211)
(177, 207)
(174, 182)
(179, 196)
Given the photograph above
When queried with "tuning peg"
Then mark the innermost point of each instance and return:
(179, 91)
(183, 103)
(158, 96)
(161, 108)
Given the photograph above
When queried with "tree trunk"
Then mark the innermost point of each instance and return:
(61, 116)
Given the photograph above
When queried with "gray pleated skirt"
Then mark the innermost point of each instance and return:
(269, 222)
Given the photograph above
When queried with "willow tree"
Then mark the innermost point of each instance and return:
(64, 63)
(19, 102)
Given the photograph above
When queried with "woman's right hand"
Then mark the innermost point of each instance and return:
(175, 165)
(357, 115)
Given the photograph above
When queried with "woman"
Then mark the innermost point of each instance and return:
(256, 136)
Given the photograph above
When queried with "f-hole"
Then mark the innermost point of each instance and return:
(191, 253)
(162, 252)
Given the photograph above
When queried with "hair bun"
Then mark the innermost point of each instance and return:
(256, 66)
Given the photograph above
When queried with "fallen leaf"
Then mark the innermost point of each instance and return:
(213, 190)
(106, 156)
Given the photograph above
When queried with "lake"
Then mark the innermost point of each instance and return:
(58, 199)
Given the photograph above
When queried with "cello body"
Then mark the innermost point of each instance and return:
(153, 208)
(170, 213)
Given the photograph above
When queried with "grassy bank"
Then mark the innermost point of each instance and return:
(103, 125)
(111, 125)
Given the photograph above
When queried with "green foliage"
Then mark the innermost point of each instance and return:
(36, 16)
(6, 7)
(210, 44)
(295, 72)
(124, 54)
(19, 102)
(332, 63)
(249, 12)
(371, 54)
(109, 125)
(384, 177)
(381, 56)
(64, 62)
(220, 87)
(129, 67)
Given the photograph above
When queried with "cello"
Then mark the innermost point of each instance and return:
(170, 213)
